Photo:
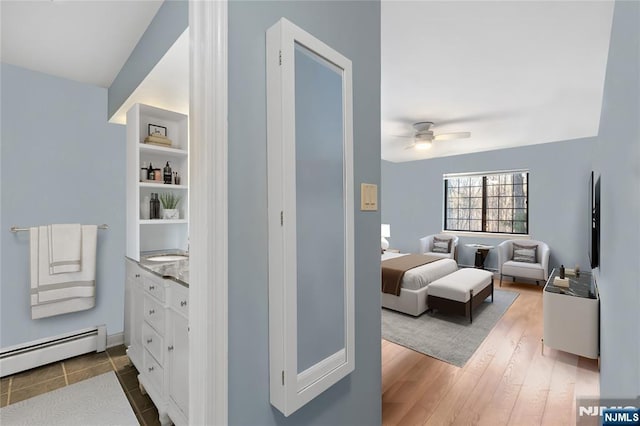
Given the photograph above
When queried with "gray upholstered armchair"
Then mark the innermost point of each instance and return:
(427, 246)
(524, 262)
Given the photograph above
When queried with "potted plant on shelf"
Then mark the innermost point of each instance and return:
(170, 203)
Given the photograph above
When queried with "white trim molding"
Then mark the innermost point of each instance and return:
(489, 235)
(208, 216)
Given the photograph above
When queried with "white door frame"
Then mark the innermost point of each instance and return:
(208, 216)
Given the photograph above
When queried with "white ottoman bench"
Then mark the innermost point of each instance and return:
(460, 292)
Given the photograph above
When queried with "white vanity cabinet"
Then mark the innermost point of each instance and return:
(177, 361)
(156, 331)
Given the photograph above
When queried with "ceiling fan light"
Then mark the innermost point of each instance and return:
(422, 145)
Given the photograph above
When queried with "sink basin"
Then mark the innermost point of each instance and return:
(166, 258)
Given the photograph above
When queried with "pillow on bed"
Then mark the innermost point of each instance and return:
(526, 254)
(441, 245)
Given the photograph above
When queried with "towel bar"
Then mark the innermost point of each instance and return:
(18, 229)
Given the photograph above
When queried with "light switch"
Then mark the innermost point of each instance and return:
(368, 197)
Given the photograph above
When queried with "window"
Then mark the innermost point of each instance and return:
(491, 202)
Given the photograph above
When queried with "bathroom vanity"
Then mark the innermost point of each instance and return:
(157, 330)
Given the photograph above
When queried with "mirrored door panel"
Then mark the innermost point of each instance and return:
(320, 222)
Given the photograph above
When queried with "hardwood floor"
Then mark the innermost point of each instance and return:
(508, 381)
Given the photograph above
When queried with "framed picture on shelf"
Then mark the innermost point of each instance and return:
(155, 129)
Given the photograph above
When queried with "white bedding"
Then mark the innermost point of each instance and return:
(417, 278)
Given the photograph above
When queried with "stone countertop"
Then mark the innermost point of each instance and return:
(176, 270)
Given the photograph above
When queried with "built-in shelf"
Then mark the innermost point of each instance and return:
(161, 221)
(162, 185)
(145, 234)
(164, 150)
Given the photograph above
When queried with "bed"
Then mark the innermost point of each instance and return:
(413, 291)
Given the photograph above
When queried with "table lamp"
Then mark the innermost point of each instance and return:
(385, 232)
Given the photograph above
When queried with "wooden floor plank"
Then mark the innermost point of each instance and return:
(508, 381)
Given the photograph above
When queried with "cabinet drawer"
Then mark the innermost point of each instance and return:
(154, 287)
(153, 342)
(154, 314)
(153, 371)
(179, 299)
(133, 271)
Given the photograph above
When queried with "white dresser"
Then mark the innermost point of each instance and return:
(572, 316)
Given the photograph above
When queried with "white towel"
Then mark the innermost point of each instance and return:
(65, 248)
(63, 292)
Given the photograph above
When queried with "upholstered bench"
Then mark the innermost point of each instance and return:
(460, 292)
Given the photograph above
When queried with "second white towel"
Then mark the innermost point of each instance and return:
(65, 248)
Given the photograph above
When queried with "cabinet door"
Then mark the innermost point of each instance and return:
(178, 361)
(310, 191)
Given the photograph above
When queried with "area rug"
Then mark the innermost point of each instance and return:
(96, 401)
(449, 338)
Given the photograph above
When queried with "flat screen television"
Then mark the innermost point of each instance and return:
(594, 231)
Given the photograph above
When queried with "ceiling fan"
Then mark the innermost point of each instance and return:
(424, 136)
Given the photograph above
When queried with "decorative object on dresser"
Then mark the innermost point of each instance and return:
(385, 232)
(428, 245)
(515, 259)
(449, 338)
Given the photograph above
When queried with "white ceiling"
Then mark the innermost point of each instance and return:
(166, 86)
(512, 73)
(86, 41)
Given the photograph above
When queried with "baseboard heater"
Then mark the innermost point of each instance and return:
(44, 351)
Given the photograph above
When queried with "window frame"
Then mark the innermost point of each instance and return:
(484, 222)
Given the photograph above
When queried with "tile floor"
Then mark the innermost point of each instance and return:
(56, 375)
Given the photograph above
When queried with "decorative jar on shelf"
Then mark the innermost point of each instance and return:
(170, 214)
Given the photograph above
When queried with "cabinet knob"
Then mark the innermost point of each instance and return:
(183, 303)
(149, 340)
(170, 348)
(152, 311)
(150, 369)
(137, 275)
(152, 287)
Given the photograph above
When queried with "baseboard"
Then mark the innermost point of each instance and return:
(56, 348)
(115, 339)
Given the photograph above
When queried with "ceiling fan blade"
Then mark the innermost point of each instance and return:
(450, 136)
(401, 136)
(413, 145)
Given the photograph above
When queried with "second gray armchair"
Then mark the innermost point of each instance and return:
(524, 259)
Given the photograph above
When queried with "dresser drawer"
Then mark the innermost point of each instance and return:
(153, 371)
(153, 286)
(154, 314)
(153, 342)
(179, 299)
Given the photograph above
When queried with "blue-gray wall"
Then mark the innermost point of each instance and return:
(617, 161)
(167, 25)
(61, 163)
(412, 198)
(353, 29)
